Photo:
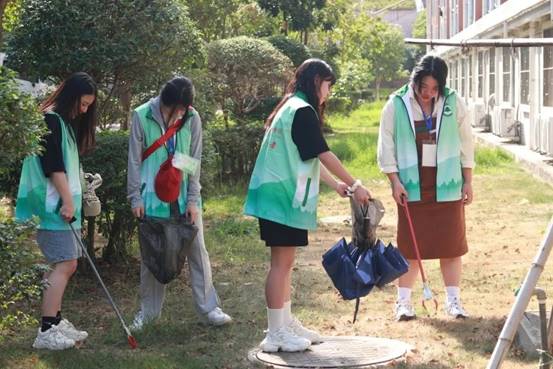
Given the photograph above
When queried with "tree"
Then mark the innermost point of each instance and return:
(213, 16)
(245, 71)
(127, 45)
(250, 20)
(297, 15)
(296, 51)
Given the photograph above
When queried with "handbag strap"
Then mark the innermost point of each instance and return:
(160, 141)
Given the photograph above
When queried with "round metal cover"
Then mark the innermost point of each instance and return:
(338, 352)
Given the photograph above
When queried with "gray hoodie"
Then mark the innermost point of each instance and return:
(137, 146)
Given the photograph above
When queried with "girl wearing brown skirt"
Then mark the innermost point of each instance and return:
(425, 148)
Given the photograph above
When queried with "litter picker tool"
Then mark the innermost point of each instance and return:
(130, 339)
(426, 291)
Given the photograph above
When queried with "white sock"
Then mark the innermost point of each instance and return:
(275, 319)
(404, 293)
(287, 312)
(452, 293)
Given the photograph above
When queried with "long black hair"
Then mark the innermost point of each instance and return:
(430, 65)
(307, 79)
(66, 101)
(179, 91)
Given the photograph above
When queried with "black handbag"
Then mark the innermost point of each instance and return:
(163, 245)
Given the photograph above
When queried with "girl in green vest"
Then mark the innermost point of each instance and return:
(425, 148)
(50, 188)
(149, 122)
(283, 193)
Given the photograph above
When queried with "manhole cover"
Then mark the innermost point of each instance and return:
(337, 352)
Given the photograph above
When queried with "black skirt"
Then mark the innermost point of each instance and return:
(276, 234)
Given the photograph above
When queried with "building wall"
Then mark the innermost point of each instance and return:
(509, 90)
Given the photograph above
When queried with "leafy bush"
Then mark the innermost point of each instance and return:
(296, 51)
(236, 146)
(19, 275)
(244, 71)
(21, 124)
(116, 221)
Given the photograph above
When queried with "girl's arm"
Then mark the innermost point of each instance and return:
(59, 180)
(334, 166)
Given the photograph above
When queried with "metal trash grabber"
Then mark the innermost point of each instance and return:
(426, 291)
(130, 339)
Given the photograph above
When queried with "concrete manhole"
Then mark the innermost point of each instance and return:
(338, 352)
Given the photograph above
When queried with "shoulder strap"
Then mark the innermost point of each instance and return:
(160, 141)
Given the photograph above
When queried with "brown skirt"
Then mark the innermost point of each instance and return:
(439, 226)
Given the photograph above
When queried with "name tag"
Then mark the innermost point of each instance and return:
(428, 155)
(185, 163)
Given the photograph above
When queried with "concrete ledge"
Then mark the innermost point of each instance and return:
(541, 166)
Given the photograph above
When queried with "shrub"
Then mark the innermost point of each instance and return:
(296, 51)
(116, 221)
(236, 146)
(21, 127)
(19, 275)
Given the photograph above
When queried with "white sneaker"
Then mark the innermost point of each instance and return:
(454, 308)
(404, 310)
(218, 317)
(52, 339)
(138, 322)
(298, 329)
(69, 331)
(284, 340)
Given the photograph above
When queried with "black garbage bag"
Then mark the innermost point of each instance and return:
(163, 245)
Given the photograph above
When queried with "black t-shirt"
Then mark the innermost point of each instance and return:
(51, 158)
(307, 134)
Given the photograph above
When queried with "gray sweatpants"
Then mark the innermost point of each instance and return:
(205, 297)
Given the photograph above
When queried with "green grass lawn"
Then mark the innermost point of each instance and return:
(504, 226)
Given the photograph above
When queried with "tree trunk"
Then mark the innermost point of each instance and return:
(377, 85)
(305, 34)
(3, 4)
(125, 97)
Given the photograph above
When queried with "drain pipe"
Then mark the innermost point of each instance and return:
(544, 354)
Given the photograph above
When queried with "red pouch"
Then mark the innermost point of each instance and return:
(168, 181)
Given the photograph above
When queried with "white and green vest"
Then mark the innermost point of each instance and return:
(37, 194)
(449, 178)
(153, 206)
(283, 188)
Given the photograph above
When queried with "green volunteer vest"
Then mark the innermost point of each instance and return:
(37, 194)
(283, 188)
(153, 206)
(449, 178)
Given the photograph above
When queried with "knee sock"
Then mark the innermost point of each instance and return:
(404, 294)
(287, 312)
(58, 317)
(452, 293)
(48, 322)
(275, 319)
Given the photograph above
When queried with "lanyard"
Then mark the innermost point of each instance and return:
(428, 118)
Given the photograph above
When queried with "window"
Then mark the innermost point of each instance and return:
(463, 76)
(454, 19)
(491, 77)
(468, 13)
(459, 75)
(480, 74)
(524, 75)
(470, 79)
(454, 75)
(506, 74)
(491, 4)
(548, 71)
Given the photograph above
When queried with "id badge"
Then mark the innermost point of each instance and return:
(185, 163)
(429, 155)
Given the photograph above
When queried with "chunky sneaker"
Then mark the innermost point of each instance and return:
(69, 331)
(217, 317)
(284, 340)
(298, 329)
(404, 310)
(52, 339)
(454, 309)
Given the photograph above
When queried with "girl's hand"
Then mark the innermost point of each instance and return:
(398, 192)
(466, 193)
(192, 212)
(67, 211)
(341, 189)
(362, 195)
(138, 212)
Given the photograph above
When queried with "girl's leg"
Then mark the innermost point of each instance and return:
(451, 272)
(57, 281)
(278, 283)
(404, 309)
